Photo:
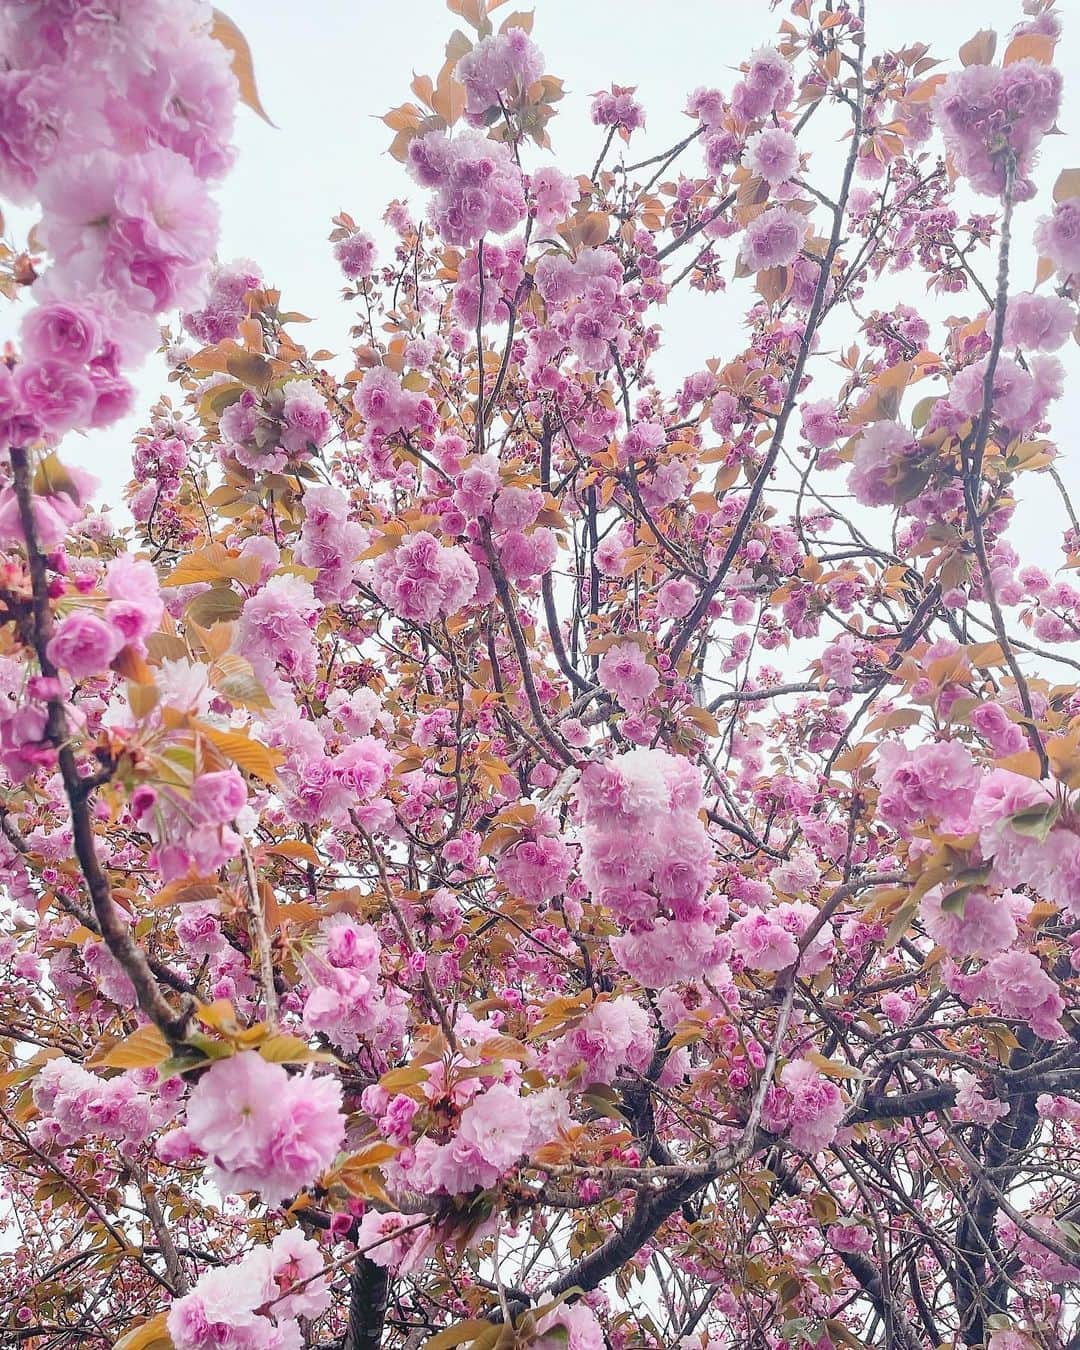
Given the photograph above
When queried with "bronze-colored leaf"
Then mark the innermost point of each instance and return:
(243, 65)
(244, 752)
(979, 50)
(143, 1049)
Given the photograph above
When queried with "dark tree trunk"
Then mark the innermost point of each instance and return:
(367, 1306)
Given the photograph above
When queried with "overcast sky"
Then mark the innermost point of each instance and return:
(328, 69)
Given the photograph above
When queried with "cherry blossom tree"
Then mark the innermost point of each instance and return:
(499, 849)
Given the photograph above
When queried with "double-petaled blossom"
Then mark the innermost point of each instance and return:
(993, 119)
(478, 187)
(259, 1128)
(253, 1304)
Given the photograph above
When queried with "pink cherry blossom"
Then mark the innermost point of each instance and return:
(773, 239)
(625, 672)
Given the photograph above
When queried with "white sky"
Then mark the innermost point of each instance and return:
(327, 70)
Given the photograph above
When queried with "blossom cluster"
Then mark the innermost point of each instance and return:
(117, 139)
(73, 1103)
(646, 857)
(292, 424)
(495, 66)
(259, 1128)
(347, 1001)
(805, 1106)
(993, 118)
(193, 832)
(478, 187)
(434, 793)
(585, 307)
(480, 1123)
(422, 580)
(254, 1303)
(330, 542)
(225, 307)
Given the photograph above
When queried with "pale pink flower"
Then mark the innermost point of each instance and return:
(496, 1127)
(624, 672)
(938, 780)
(821, 424)
(982, 925)
(502, 62)
(879, 455)
(1057, 236)
(577, 1325)
(1017, 986)
(773, 154)
(1038, 323)
(55, 394)
(84, 645)
(816, 1106)
(675, 598)
(972, 1105)
(70, 334)
(773, 239)
(554, 193)
(135, 606)
(263, 1130)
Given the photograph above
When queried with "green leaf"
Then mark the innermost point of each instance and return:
(53, 478)
(285, 1049)
(245, 753)
(250, 368)
(217, 605)
(956, 900)
(1036, 822)
(901, 923)
(604, 1101)
(234, 677)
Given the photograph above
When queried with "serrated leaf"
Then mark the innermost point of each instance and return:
(52, 477)
(217, 605)
(839, 1333)
(984, 654)
(142, 699)
(245, 753)
(901, 923)
(285, 1049)
(604, 1101)
(979, 50)
(504, 1047)
(701, 717)
(1024, 762)
(1067, 185)
(213, 563)
(1064, 755)
(1036, 822)
(373, 1155)
(294, 848)
(407, 1076)
(250, 368)
(833, 1068)
(234, 42)
(234, 676)
(1030, 47)
(143, 1049)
